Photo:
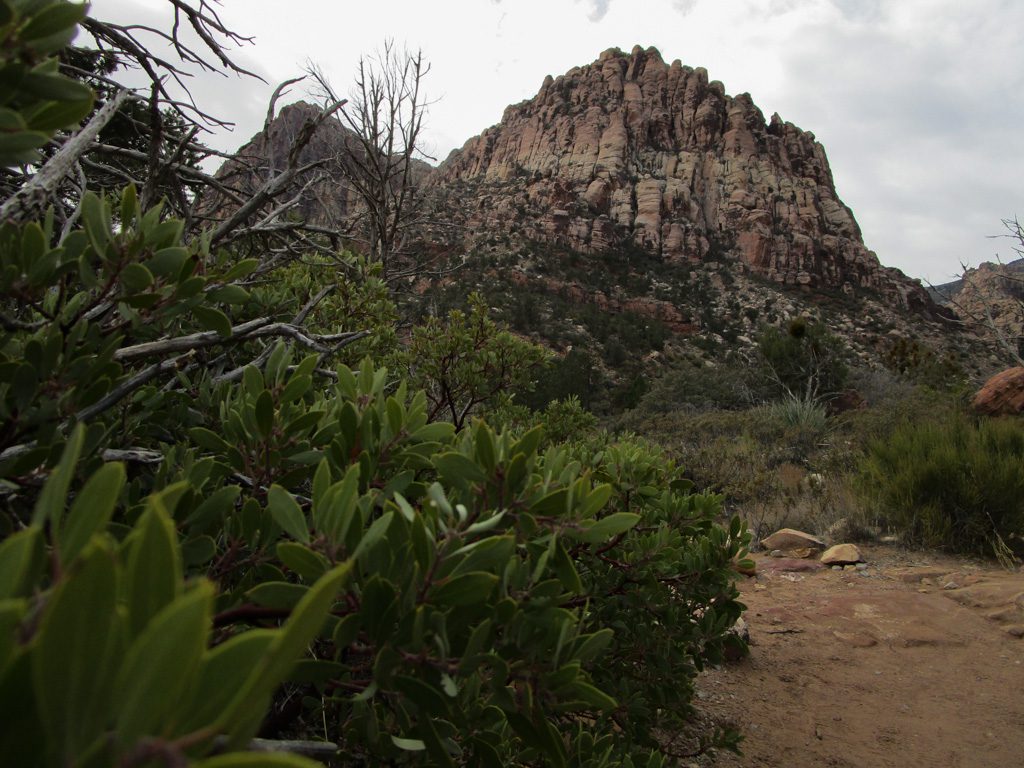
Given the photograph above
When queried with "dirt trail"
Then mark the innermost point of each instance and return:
(916, 661)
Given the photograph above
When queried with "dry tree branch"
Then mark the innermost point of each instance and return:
(32, 198)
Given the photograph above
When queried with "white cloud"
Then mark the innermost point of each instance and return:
(598, 9)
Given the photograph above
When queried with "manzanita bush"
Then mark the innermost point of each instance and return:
(213, 529)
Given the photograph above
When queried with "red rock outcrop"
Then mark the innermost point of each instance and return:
(1002, 395)
(630, 149)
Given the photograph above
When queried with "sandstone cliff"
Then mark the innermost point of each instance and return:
(632, 150)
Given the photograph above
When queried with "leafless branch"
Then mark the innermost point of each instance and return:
(32, 198)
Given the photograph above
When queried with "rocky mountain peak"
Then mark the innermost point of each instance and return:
(632, 150)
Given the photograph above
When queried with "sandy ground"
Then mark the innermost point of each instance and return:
(916, 661)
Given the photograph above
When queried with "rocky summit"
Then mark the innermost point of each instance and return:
(631, 150)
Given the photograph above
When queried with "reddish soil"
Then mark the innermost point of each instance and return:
(916, 661)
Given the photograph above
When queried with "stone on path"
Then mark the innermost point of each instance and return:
(842, 554)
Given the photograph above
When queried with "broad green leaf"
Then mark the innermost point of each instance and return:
(22, 559)
(565, 569)
(136, 278)
(435, 432)
(198, 551)
(609, 526)
(241, 269)
(296, 387)
(241, 717)
(153, 573)
(287, 513)
(265, 414)
(214, 508)
(75, 653)
(56, 18)
(596, 500)
(490, 554)
(429, 699)
(592, 646)
(336, 510)
(222, 672)
(466, 589)
(309, 565)
(21, 147)
(374, 534)
(589, 695)
(97, 222)
(12, 612)
(229, 294)
(553, 503)
(160, 666)
(51, 87)
(458, 469)
(276, 594)
(209, 440)
(213, 320)
(53, 497)
(91, 510)
(167, 262)
(409, 745)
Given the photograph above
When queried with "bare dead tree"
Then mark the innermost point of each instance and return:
(255, 216)
(385, 116)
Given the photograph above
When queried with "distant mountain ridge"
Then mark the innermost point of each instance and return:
(633, 209)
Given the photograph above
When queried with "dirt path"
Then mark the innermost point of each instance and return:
(916, 661)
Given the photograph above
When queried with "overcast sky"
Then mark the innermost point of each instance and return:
(917, 102)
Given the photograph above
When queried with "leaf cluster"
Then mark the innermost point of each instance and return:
(36, 100)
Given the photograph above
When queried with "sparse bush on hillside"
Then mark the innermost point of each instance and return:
(919, 363)
(804, 360)
(954, 483)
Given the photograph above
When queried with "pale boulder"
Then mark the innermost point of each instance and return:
(790, 538)
(842, 554)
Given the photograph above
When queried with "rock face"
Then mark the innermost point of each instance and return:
(326, 202)
(1002, 395)
(993, 294)
(632, 151)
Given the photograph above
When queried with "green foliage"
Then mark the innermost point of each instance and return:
(728, 385)
(36, 100)
(419, 594)
(954, 483)
(804, 361)
(803, 414)
(918, 362)
(107, 649)
(71, 310)
(467, 361)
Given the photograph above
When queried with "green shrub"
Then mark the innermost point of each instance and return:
(36, 99)
(804, 361)
(301, 540)
(955, 483)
